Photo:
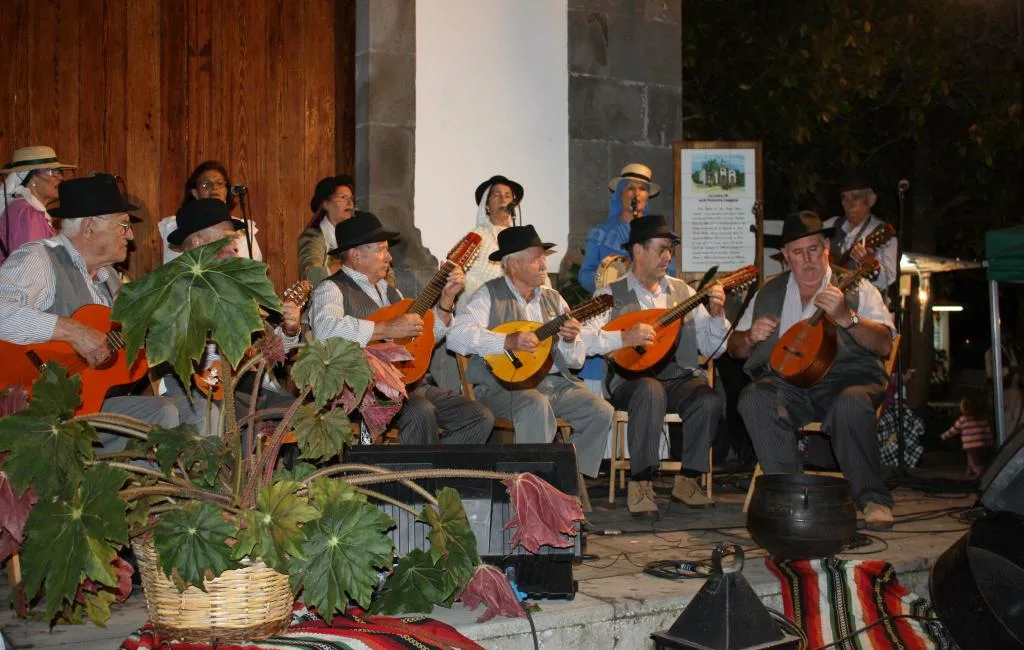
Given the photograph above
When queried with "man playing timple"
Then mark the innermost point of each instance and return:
(520, 295)
(844, 400)
(341, 304)
(44, 282)
(679, 386)
(856, 224)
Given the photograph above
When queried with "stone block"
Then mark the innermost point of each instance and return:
(646, 51)
(362, 166)
(392, 26)
(362, 71)
(588, 178)
(659, 159)
(588, 43)
(391, 89)
(363, 10)
(390, 150)
(664, 115)
(664, 11)
(623, 8)
(601, 109)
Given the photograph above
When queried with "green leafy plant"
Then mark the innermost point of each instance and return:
(209, 504)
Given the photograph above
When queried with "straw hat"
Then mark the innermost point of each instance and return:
(29, 158)
(639, 172)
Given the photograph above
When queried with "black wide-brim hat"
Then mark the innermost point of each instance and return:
(854, 179)
(797, 225)
(362, 228)
(517, 238)
(326, 187)
(90, 196)
(196, 215)
(517, 189)
(653, 225)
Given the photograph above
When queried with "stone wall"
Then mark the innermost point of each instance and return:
(625, 101)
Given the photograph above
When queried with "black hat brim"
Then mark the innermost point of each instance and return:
(661, 235)
(517, 189)
(776, 241)
(178, 236)
(114, 208)
(498, 254)
(390, 236)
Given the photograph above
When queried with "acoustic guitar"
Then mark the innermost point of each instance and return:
(208, 381)
(421, 347)
(520, 369)
(667, 324)
(23, 363)
(878, 237)
(806, 351)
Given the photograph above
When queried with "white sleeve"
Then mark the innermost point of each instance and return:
(327, 317)
(574, 353)
(595, 338)
(468, 333)
(871, 306)
(27, 288)
(747, 317)
(710, 332)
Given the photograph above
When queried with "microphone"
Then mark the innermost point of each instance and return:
(904, 185)
(238, 190)
(510, 208)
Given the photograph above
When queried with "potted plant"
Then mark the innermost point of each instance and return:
(206, 512)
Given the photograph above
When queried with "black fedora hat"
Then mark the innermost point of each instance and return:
(517, 189)
(854, 179)
(90, 196)
(517, 238)
(196, 215)
(797, 225)
(326, 187)
(362, 228)
(643, 228)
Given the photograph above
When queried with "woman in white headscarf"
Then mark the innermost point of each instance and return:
(30, 184)
(496, 199)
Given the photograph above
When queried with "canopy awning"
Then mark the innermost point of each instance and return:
(926, 264)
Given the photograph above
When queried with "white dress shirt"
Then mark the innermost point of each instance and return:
(885, 254)
(327, 318)
(710, 331)
(870, 306)
(330, 235)
(469, 334)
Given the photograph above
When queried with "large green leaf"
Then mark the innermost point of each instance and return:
(192, 541)
(344, 549)
(321, 434)
(327, 366)
(44, 453)
(202, 454)
(325, 491)
(416, 585)
(193, 296)
(273, 530)
(452, 542)
(68, 540)
(55, 394)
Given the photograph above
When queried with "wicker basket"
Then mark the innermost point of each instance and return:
(253, 602)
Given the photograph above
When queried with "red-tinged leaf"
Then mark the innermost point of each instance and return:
(122, 570)
(14, 511)
(388, 352)
(377, 416)
(490, 588)
(543, 515)
(13, 399)
(347, 400)
(386, 377)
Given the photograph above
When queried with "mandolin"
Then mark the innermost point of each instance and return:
(22, 363)
(421, 347)
(208, 380)
(667, 324)
(519, 369)
(806, 351)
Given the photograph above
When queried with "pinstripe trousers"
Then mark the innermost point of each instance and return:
(845, 402)
(647, 400)
(430, 407)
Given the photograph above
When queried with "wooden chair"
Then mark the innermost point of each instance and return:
(814, 428)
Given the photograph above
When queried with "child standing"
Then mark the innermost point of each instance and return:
(974, 434)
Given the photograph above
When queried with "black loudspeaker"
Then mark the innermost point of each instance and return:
(1002, 484)
(545, 575)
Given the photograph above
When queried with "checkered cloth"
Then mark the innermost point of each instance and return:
(913, 430)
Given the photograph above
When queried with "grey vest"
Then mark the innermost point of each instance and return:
(835, 247)
(505, 308)
(355, 301)
(70, 288)
(769, 303)
(684, 362)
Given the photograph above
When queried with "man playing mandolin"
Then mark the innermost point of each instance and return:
(342, 303)
(520, 296)
(677, 385)
(846, 398)
(857, 223)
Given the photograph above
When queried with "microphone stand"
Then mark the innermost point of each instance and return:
(898, 313)
(243, 201)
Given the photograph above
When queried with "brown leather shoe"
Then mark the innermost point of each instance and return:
(878, 516)
(689, 493)
(640, 499)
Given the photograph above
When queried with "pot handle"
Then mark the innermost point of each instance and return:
(727, 549)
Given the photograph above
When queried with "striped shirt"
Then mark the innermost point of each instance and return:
(973, 432)
(28, 288)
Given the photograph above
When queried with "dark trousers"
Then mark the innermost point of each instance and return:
(845, 403)
(647, 400)
(429, 408)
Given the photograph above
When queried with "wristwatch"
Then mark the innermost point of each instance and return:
(854, 321)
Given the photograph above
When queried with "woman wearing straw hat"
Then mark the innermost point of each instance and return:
(30, 183)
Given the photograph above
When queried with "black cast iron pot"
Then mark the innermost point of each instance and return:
(801, 516)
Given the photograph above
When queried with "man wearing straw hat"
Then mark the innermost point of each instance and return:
(30, 183)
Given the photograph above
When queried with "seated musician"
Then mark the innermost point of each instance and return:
(44, 282)
(333, 202)
(677, 385)
(519, 295)
(341, 304)
(846, 398)
(858, 222)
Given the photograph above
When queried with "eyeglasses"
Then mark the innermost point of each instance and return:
(55, 173)
(125, 226)
(206, 186)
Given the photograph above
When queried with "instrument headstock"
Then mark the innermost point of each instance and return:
(879, 236)
(298, 293)
(465, 252)
(740, 279)
(593, 307)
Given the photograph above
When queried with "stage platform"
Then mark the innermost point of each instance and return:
(617, 605)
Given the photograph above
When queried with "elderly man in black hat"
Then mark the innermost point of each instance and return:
(333, 202)
(44, 282)
(341, 304)
(857, 223)
(680, 386)
(520, 295)
(845, 400)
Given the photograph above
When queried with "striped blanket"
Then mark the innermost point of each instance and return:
(350, 632)
(832, 599)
